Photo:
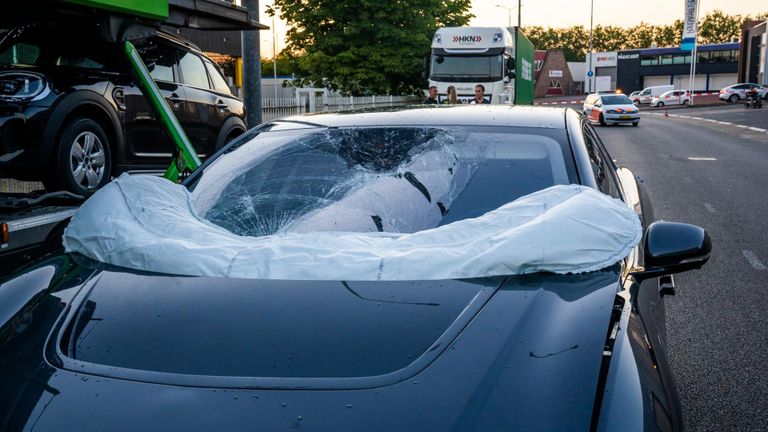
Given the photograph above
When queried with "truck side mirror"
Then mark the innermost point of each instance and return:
(510, 69)
(425, 68)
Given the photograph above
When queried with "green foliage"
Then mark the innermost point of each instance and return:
(283, 66)
(715, 27)
(365, 46)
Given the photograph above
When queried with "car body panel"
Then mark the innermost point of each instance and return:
(674, 97)
(594, 106)
(514, 365)
(740, 91)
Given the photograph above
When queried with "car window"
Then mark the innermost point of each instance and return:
(33, 45)
(219, 83)
(193, 71)
(20, 53)
(602, 166)
(616, 100)
(645, 92)
(377, 179)
(160, 59)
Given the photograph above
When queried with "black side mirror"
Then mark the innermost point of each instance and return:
(511, 68)
(425, 68)
(672, 247)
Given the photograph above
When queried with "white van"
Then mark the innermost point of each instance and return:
(648, 93)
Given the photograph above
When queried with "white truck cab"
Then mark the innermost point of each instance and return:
(466, 56)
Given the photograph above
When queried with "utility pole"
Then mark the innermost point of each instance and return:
(519, 8)
(252, 68)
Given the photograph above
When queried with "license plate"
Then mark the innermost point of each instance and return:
(625, 117)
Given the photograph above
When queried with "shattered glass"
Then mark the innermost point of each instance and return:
(386, 179)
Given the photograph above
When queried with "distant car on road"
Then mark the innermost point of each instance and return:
(611, 109)
(648, 93)
(737, 92)
(674, 97)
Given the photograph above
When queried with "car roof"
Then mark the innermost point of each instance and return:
(456, 115)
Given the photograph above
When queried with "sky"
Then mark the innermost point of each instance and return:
(562, 13)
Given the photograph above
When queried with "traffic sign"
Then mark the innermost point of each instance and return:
(589, 74)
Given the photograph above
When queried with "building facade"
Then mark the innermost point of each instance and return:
(552, 75)
(753, 66)
(717, 66)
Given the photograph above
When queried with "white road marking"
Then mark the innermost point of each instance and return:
(702, 159)
(710, 208)
(753, 260)
(711, 121)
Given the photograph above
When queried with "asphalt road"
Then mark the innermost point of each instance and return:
(714, 175)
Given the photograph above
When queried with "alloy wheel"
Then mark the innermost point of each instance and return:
(87, 160)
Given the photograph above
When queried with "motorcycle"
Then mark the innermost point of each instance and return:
(753, 101)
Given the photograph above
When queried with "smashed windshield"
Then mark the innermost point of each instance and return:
(385, 179)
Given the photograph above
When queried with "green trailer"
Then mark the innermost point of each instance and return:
(524, 68)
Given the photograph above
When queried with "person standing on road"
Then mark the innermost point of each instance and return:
(451, 99)
(479, 96)
(432, 97)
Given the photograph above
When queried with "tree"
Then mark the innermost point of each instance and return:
(717, 27)
(365, 46)
(283, 68)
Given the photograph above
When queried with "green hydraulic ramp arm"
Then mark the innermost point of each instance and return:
(187, 159)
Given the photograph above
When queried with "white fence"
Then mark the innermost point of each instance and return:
(272, 108)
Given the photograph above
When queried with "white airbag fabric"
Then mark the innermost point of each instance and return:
(148, 223)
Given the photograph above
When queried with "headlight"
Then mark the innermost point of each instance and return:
(612, 111)
(21, 85)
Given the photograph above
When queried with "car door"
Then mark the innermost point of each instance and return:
(202, 117)
(147, 142)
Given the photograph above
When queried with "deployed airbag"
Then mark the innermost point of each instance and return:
(148, 223)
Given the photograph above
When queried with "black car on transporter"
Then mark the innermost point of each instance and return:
(228, 303)
(73, 116)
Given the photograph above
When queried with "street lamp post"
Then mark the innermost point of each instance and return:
(509, 12)
(274, 54)
(591, 16)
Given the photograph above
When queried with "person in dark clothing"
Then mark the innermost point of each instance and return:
(432, 97)
(479, 95)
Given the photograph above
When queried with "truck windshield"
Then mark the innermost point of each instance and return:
(467, 68)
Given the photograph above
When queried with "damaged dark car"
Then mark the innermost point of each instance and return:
(112, 331)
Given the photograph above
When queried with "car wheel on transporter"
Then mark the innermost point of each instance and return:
(83, 161)
(734, 98)
(660, 104)
(602, 120)
(636, 102)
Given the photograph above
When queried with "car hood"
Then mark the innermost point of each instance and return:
(519, 353)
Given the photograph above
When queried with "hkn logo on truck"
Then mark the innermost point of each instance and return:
(467, 39)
